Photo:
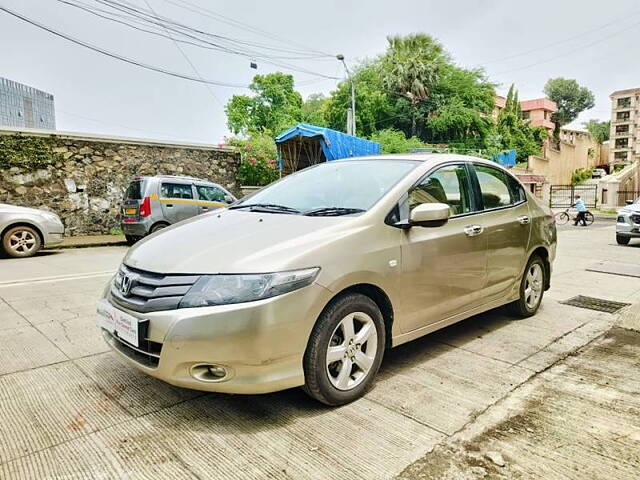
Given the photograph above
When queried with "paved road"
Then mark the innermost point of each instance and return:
(70, 409)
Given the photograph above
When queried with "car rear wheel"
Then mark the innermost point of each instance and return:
(622, 240)
(21, 241)
(531, 289)
(158, 226)
(345, 350)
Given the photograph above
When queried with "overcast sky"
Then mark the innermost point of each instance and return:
(517, 42)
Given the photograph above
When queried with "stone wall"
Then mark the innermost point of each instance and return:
(86, 183)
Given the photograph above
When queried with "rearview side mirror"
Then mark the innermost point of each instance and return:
(229, 199)
(629, 202)
(430, 215)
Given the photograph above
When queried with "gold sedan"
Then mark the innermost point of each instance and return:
(308, 281)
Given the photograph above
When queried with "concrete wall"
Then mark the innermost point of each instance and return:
(85, 186)
(576, 150)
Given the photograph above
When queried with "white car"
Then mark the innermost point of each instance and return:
(24, 231)
(598, 173)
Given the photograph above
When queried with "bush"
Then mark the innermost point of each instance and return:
(394, 141)
(581, 175)
(26, 152)
(258, 164)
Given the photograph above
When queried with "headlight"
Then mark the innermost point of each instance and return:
(238, 288)
(50, 216)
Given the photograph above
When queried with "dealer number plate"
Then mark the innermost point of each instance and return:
(128, 327)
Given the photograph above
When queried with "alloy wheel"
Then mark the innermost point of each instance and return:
(533, 286)
(352, 350)
(22, 242)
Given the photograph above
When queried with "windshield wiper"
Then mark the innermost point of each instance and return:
(265, 207)
(332, 211)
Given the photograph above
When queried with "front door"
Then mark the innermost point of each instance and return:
(443, 268)
(210, 198)
(177, 201)
(507, 223)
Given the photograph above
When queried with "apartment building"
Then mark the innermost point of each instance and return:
(537, 111)
(624, 135)
(24, 106)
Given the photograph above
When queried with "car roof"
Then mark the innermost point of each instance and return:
(433, 158)
(176, 177)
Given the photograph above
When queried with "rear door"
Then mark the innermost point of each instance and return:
(177, 201)
(210, 197)
(133, 197)
(507, 223)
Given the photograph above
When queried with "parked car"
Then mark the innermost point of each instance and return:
(598, 173)
(308, 281)
(24, 231)
(153, 203)
(628, 222)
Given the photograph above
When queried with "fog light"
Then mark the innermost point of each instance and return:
(206, 372)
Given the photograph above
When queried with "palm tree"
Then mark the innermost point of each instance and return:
(411, 67)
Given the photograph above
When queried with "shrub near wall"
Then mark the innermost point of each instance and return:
(83, 179)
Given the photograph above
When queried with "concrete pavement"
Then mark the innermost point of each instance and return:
(70, 409)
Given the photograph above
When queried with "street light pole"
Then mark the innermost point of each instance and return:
(352, 129)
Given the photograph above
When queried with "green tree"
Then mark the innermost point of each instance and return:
(274, 107)
(514, 132)
(411, 68)
(395, 141)
(570, 97)
(313, 109)
(374, 108)
(598, 130)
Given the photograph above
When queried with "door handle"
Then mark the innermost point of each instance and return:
(524, 220)
(169, 205)
(473, 230)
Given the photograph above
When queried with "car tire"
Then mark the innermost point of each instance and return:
(157, 227)
(622, 240)
(131, 240)
(531, 289)
(351, 330)
(21, 241)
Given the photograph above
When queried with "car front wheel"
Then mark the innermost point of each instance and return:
(21, 241)
(622, 240)
(531, 289)
(345, 350)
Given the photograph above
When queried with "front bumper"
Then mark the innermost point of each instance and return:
(626, 226)
(53, 232)
(260, 344)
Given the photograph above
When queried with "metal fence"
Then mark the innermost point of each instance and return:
(563, 196)
(626, 195)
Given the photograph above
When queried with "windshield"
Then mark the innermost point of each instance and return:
(344, 185)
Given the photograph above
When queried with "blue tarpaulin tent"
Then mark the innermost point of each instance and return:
(304, 145)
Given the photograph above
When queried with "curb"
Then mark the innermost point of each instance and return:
(86, 245)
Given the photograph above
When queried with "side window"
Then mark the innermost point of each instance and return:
(175, 190)
(449, 184)
(210, 194)
(517, 192)
(494, 187)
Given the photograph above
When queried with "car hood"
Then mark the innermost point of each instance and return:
(4, 207)
(634, 207)
(239, 242)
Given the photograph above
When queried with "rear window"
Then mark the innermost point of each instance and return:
(135, 190)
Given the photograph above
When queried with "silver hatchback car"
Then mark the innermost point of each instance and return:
(308, 281)
(23, 231)
(153, 203)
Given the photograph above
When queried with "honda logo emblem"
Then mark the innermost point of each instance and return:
(125, 286)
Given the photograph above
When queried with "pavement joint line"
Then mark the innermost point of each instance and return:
(553, 341)
(405, 415)
(51, 364)
(480, 354)
(57, 278)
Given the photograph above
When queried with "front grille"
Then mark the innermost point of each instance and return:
(148, 291)
(636, 218)
(147, 354)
